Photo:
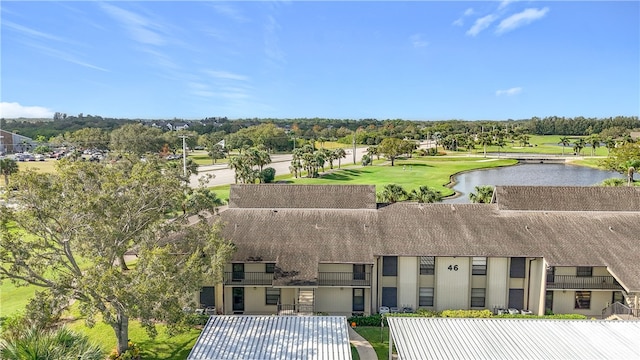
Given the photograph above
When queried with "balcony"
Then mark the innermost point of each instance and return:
(248, 278)
(344, 279)
(582, 282)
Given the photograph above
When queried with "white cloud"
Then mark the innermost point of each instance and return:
(520, 19)
(226, 75)
(141, 29)
(272, 49)
(504, 4)
(509, 92)
(31, 32)
(417, 41)
(460, 20)
(230, 12)
(12, 110)
(481, 24)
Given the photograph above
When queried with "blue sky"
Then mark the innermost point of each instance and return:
(417, 60)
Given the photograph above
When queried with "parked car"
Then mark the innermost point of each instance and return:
(39, 157)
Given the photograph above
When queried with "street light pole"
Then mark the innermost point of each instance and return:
(184, 154)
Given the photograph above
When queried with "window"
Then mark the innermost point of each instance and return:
(583, 300)
(479, 266)
(389, 266)
(238, 272)
(427, 265)
(426, 297)
(477, 297)
(551, 271)
(358, 272)
(358, 300)
(617, 296)
(548, 302)
(517, 267)
(269, 268)
(389, 296)
(272, 296)
(207, 296)
(584, 271)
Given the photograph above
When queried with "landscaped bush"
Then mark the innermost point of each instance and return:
(371, 320)
(555, 316)
(466, 314)
(132, 353)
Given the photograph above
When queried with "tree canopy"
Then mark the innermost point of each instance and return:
(72, 229)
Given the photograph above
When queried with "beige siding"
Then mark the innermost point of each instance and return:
(389, 281)
(408, 270)
(601, 271)
(254, 302)
(335, 300)
(452, 287)
(335, 267)
(254, 267)
(564, 303)
(497, 281)
(427, 280)
(537, 287)
(288, 296)
(565, 270)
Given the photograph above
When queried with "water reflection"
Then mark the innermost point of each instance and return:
(529, 174)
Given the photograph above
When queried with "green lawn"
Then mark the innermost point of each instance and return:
(434, 172)
(542, 144)
(13, 299)
(377, 337)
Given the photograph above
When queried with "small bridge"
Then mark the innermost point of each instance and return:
(535, 158)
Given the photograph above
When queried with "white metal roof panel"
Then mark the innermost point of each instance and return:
(446, 338)
(273, 337)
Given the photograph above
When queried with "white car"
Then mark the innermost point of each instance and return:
(383, 310)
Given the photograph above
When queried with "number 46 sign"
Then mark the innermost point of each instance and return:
(453, 268)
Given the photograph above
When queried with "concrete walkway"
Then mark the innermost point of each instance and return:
(365, 350)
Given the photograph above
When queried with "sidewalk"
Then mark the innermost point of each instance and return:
(365, 350)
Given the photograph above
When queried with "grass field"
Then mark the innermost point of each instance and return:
(43, 166)
(377, 337)
(542, 144)
(434, 172)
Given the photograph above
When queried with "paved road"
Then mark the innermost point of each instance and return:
(224, 176)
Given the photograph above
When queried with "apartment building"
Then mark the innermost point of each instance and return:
(333, 249)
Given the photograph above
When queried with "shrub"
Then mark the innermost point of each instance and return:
(371, 320)
(466, 314)
(267, 175)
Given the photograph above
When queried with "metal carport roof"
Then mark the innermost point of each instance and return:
(273, 337)
(447, 338)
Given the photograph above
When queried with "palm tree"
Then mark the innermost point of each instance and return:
(7, 168)
(482, 195)
(610, 144)
(339, 154)
(236, 163)
(61, 343)
(594, 141)
(485, 140)
(373, 150)
(392, 193)
(564, 141)
(578, 146)
(425, 195)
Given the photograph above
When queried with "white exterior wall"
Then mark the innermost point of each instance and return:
(408, 270)
(497, 283)
(288, 296)
(452, 287)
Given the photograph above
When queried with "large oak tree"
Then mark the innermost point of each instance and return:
(71, 230)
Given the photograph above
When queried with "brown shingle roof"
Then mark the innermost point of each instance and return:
(298, 239)
(284, 196)
(568, 198)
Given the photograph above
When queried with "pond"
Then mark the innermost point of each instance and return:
(528, 174)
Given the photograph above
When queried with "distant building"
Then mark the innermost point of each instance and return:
(14, 143)
(305, 249)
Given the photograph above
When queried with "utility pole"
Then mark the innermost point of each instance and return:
(184, 154)
(354, 147)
